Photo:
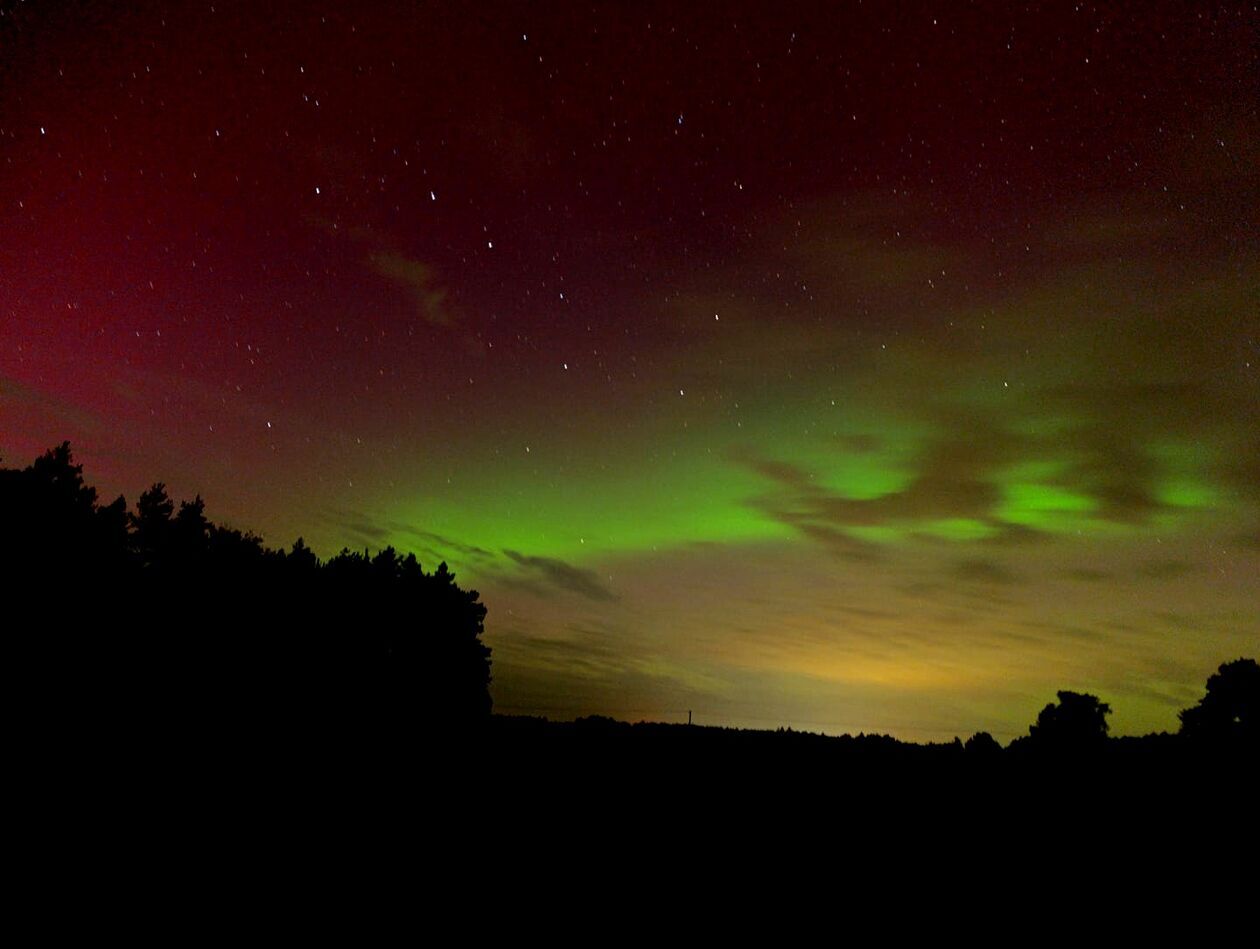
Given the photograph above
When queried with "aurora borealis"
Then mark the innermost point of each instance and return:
(854, 367)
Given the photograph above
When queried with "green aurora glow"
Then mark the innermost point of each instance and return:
(791, 364)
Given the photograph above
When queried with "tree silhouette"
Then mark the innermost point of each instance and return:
(193, 621)
(1231, 707)
(1078, 721)
(152, 523)
(982, 744)
(302, 557)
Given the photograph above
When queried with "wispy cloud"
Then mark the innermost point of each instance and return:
(421, 282)
(562, 576)
(378, 532)
(16, 396)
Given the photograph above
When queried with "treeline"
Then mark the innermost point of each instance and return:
(1226, 720)
(1219, 735)
(156, 621)
(1223, 728)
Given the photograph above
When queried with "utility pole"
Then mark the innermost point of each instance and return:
(688, 716)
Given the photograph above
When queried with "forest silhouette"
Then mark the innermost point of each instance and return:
(155, 628)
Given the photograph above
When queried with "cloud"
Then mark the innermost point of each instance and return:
(421, 282)
(955, 479)
(419, 279)
(594, 666)
(840, 544)
(468, 550)
(562, 576)
(381, 532)
(1106, 358)
(1087, 575)
(859, 444)
(985, 571)
(1165, 569)
(19, 397)
(1059, 631)
(583, 650)
(362, 527)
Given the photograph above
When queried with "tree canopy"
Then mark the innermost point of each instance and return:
(164, 609)
(1078, 720)
(1231, 707)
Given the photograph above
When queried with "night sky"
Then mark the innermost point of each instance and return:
(855, 367)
